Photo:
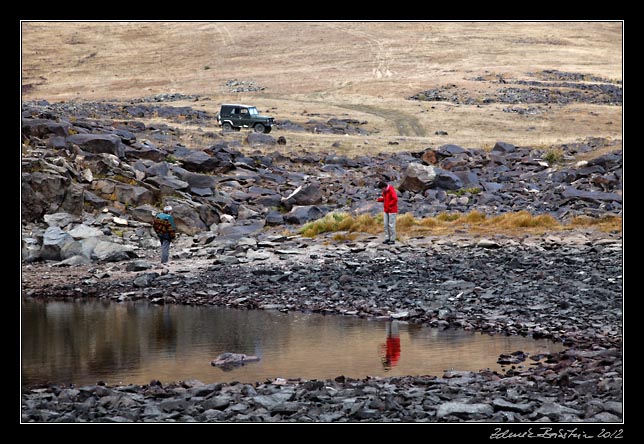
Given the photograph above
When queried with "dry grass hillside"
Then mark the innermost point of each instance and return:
(359, 70)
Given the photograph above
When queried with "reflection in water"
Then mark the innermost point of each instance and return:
(391, 347)
(90, 341)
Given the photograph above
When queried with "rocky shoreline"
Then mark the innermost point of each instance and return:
(93, 174)
(566, 287)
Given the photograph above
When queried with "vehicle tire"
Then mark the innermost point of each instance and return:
(267, 129)
(259, 128)
(226, 126)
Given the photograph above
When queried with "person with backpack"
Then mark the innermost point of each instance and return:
(389, 199)
(166, 229)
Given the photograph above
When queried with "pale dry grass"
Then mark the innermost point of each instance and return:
(362, 70)
(518, 223)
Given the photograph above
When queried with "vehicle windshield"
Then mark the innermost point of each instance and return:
(253, 111)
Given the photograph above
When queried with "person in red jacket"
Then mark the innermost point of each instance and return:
(390, 200)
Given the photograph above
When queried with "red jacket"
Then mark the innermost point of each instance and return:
(393, 350)
(390, 198)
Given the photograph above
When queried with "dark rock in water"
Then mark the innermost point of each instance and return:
(227, 361)
(513, 358)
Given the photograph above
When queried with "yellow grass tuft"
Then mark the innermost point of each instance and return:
(366, 223)
(346, 226)
(523, 219)
(405, 222)
(606, 223)
(339, 237)
(340, 221)
(474, 216)
(328, 223)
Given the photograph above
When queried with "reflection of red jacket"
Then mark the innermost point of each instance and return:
(390, 199)
(393, 350)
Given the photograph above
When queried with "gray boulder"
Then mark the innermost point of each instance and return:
(83, 231)
(302, 214)
(419, 177)
(239, 231)
(303, 195)
(197, 161)
(144, 213)
(145, 151)
(129, 194)
(192, 217)
(98, 143)
(274, 218)
(503, 148)
(461, 408)
(30, 249)
(447, 181)
(197, 180)
(58, 244)
(112, 252)
(450, 150)
(42, 128)
(256, 139)
(74, 261)
(61, 219)
(41, 193)
(168, 184)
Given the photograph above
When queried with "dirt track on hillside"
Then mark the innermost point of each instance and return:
(371, 68)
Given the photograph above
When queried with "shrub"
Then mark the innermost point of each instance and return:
(605, 223)
(553, 156)
(447, 217)
(405, 221)
(328, 223)
(474, 216)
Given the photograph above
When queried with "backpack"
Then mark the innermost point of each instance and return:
(162, 227)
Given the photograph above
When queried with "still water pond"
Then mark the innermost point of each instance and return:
(133, 343)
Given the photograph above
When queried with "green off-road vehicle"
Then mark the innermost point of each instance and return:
(235, 117)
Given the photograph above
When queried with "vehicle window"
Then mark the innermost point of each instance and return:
(253, 111)
(244, 111)
(236, 111)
